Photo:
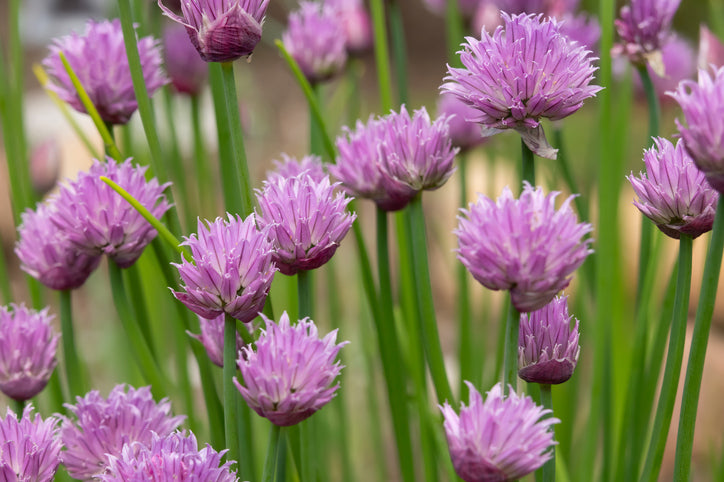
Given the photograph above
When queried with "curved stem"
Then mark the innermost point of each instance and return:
(230, 393)
(73, 373)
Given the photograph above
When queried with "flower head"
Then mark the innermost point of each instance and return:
(679, 61)
(188, 72)
(673, 193)
(356, 23)
(497, 439)
(221, 30)
(232, 269)
(306, 220)
(703, 134)
(463, 133)
(291, 167)
(97, 220)
(523, 245)
(46, 252)
(98, 57)
(27, 351)
(525, 71)
(290, 374)
(103, 426)
(30, 447)
(547, 346)
(711, 49)
(581, 28)
(174, 457)
(212, 337)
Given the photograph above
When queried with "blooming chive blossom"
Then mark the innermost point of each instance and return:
(102, 426)
(547, 346)
(188, 72)
(356, 23)
(292, 167)
(306, 220)
(523, 245)
(232, 269)
(673, 193)
(221, 30)
(290, 374)
(498, 439)
(98, 57)
(581, 28)
(525, 71)
(212, 337)
(30, 447)
(463, 134)
(99, 221)
(27, 351)
(703, 134)
(175, 457)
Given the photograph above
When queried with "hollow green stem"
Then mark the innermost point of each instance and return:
(510, 356)
(316, 140)
(201, 163)
(273, 459)
(382, 56)
(527, 172)
(465, 327)
(175, 164)
(454, 31)
(548, 471)
(399, 50)
(230, 392)
(18, 406)
(6, 292)
(73, 372)
(305, 291)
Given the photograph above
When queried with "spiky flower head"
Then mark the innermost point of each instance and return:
(463, 133)
(212, 337)
(499, 439)
(231, 269)
(30, 447)
(703, 105)
(522, 245)
(525, 71)
(673, 192)
(306, 220)
(98, 57)
(27, 351)
(102, 426)
(221, 30)
(174, 457)
(98, 221)
(290, 166)
(290, 374)
(46, 252)
(547, 345)
(188, 72)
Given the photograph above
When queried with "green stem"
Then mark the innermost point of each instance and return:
(500, 341)
(276, 439)
(201, 163)
(316, 142)
(510, 357)
(454, 31)
(6, 292)
(465, 330)
(18, 406)
(230, 392)
(562, 158)
(527, 172)
(138, 303)
(697, 352)
(73, 372)
(548, 471)
(176, 165)
(245, 436)
(305, 290)
(382, 56)
(399, 50)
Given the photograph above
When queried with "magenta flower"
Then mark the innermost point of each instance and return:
(46, 252)
(221, 30)
(188, 72)
(103, 426)
(231, 270)
(547, 346)
(498, 439)
(212, 337)
(97, 220)
(98, 57)
(463, 133)
(581, 28)
(30, 447)
(305, 220)
(291, 167)
(290, 375)
(27, 351)
(527, 70)
(523, 245)
(703, 134)
(175, 457)
(673, 193)
(356, 24)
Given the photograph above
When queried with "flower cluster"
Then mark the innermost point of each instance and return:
(644, 27)
(212, 338)
(30, 447)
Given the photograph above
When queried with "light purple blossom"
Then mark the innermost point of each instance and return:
(221, 30)
(522, 245)
(525, 71)
(231, 269)
(581, 28)
(644, 26)
(463, 133)
(673, 192)
(499, 439)
(547, 345)
(175, 457)
(291, 167)
(679, 60)
(30, 447)
(550, 8)
(188, 72)
(356, 23)
(103, 426)
(290, 374)
(711, 49)
(98, 57)
(27, 351)
(212, 337)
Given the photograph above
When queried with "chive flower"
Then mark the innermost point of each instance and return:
(355, 20)
(212, 338)
(463, 133)
(290, 166)
(711, 49)
(30, 447)
(187, 71)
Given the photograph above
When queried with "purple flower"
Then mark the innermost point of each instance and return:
(581, 28)
(550, 8)
(679, 61)
(97, 220)
(547, 346)
(463, 134)
(27, 351)
(525, 71)
(316, 39)
(212, 337)
(703, 134)
(47, 253)
(356, 24)
(30, 447)
(175, 457)
(292, 167)
(523, 245)
(290, 375)
(231, 271)
(305, 220)
(221, 30)
(498, 439)
(99, 59)
(673, 193)
(45, 160)
(103, 426)
(711, 49)
(188, 72)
